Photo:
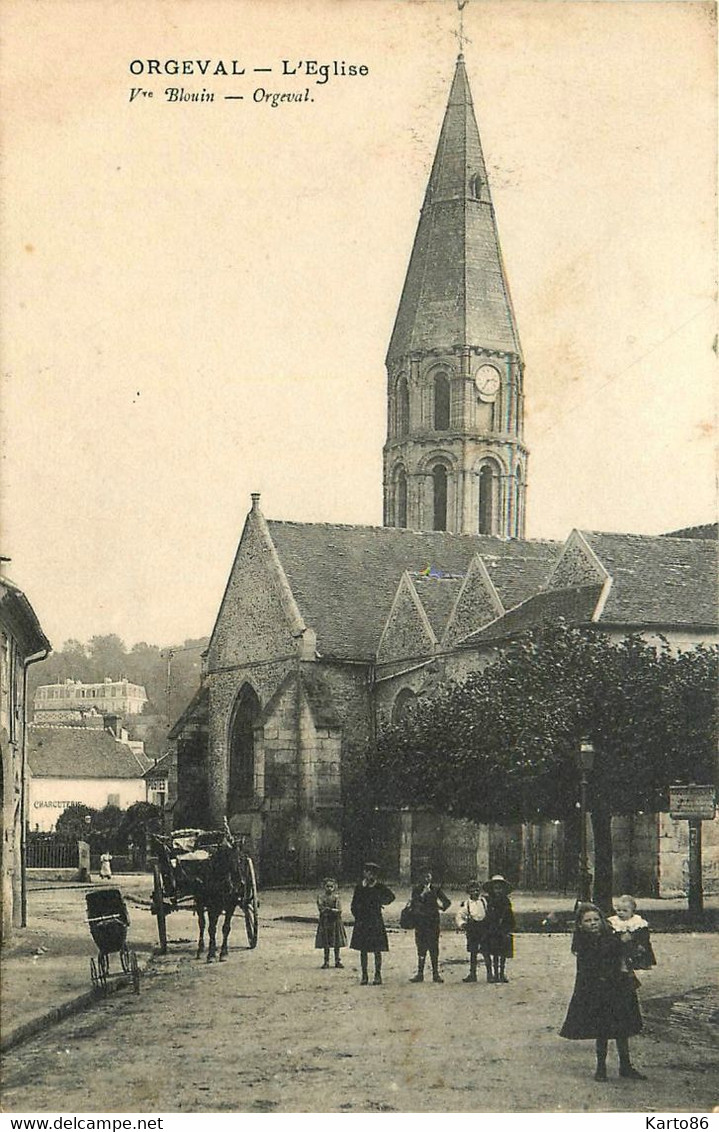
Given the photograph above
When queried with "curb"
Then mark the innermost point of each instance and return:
(66, 1009)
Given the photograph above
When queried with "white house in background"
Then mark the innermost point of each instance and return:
(69, 701)
(75, 765)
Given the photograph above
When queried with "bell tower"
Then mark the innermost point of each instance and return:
(454, 458)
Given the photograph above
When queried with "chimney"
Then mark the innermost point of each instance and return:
(4, 561)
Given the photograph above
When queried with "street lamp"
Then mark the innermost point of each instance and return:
(585, 761)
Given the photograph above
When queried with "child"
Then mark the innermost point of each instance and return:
(105, 869)
(604, 1003)
(427, 901)
(472, 919)
(330, 929)
(500, 925)
(369, 932)
(634, 934)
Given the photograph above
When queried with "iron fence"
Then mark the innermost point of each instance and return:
(51, 853)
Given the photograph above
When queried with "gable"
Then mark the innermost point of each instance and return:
(407, 632)
(578, 565)
(344, 578)
(477, 604)
(258, 617)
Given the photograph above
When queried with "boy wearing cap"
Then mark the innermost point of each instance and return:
(369, 933)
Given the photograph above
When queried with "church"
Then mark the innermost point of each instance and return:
(327, 631)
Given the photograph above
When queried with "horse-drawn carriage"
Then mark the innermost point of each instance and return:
(209, 873)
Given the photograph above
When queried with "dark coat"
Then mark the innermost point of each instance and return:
(369, 933)
(426, 907)
(499, 925)
(604, 1003)
(638, 951)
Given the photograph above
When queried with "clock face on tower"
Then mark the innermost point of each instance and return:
(487, 381)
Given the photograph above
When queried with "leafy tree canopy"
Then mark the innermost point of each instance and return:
(502, 745)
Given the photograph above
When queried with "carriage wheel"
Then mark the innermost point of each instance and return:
(103, 969)
(125, 959)
(250, 904)
(158, 907)
(95, 976)
(134, 971)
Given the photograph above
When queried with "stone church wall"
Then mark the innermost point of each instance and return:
(674, 856)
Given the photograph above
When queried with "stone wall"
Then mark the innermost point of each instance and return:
(673, 837)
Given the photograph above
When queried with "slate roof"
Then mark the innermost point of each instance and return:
(704, 530)
(438, 596)
(456, 289)
(75, 752)
(658, 580)
(344, 578)
(575, 605)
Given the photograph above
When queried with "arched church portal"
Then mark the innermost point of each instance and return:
(241, 775)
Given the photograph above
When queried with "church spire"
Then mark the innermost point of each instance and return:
(456, 291)
(454, 457)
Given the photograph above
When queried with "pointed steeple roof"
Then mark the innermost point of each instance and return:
(456, 291)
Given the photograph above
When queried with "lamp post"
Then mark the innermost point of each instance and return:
(585, 760)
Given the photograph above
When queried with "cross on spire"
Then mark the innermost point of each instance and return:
(459, 34)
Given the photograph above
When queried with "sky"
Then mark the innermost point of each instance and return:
(197, 297)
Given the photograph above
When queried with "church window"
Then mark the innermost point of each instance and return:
(488, 498)
(403, 704)
(400, 499)
(241, 777)
(518, 502)
(439, 497)
(441, 400)
(475, 186)
(402, 407)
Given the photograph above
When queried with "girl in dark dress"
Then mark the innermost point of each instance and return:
(369, 933)
(427, 900)
(604, 1003)
(499, 941)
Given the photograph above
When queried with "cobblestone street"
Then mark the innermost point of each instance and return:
(269, 1031)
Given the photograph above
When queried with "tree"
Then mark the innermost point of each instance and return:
(139, 821)
(502, 745)
(73, 823)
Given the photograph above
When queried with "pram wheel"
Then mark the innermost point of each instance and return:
(135, 972)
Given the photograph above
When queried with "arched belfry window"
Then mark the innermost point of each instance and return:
(241, 776)
(441, 400)
(488, 498)
(402, 407)
(402, 706)
(400, 498)
(518, 501)
(439, 498)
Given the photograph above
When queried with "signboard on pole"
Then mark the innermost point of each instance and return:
(692, 802)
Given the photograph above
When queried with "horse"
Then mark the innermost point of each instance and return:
(217, 887)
